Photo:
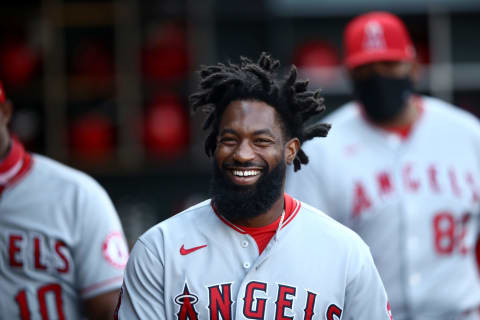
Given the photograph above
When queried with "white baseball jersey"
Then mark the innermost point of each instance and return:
(414, 201)
(60, 240)
(197, 265)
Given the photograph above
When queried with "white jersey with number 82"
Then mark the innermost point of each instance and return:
(414, 201)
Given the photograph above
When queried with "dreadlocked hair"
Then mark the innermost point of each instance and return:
(223, 83)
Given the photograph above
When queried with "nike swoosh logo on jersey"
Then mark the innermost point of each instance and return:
(184, 251)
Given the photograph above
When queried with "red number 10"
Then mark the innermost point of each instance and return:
(21, 299)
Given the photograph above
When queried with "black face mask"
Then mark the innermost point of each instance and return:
(383, 98)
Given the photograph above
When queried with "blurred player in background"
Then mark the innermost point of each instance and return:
(62, 246)
(252, 251)
(403, 171)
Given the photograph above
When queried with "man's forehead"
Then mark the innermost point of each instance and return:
(265, 131)
(256, 115)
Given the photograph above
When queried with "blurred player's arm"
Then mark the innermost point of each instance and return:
(365, 297)
(142, 291)
(101, 253)
(102, 306)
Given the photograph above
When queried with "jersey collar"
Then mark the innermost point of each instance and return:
(291, 208)
(14, 165)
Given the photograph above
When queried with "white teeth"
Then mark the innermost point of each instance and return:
(252, 172)
(245, 173)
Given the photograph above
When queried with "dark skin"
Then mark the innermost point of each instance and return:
(397, 69)
(250, 132)
(100, 307)
(5, 116)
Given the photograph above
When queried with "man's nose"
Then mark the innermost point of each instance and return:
(244, 152)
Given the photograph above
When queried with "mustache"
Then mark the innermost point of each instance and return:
(237, 164)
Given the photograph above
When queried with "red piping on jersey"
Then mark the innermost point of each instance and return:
(101, 284)
(16, 155)
(405, 130)
(293, 206)
(228, 223)
(263, 235)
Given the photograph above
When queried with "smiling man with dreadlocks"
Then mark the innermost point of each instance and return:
(252, 251)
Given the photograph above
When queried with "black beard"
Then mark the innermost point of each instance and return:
(237, 203)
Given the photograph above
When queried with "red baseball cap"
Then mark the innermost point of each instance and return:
(3, 97)
(377, 36)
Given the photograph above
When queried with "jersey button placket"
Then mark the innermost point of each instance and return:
(403, 239)
(245, 244)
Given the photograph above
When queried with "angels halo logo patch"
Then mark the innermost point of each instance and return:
(115, 250)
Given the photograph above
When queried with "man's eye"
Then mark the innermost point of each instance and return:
(263, 141)
(227, 140)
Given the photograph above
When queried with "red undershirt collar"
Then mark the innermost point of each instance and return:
(14, 165)
(289, 206)
(263, 235)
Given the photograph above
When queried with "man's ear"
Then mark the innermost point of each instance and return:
(291, 149)
(6, 109)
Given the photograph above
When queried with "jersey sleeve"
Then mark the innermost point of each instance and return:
(365, 296)
(101, 252)
(142, 290)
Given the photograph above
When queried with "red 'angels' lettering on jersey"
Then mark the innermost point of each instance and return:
(360, 201)
(453, 181)
(412, 181)
(39, 265)
(310, 305)
(333, 310)
(473, 187)
(59, 245)
(248, 310)
(256, 297)
(220, 301)
(186, 300)
(283, 302)
(46, 253)
(384, 183)
(432, 177)
(16, 244)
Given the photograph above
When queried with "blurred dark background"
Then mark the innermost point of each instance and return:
(103, 86)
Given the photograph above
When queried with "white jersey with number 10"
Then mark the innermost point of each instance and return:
(61, 242)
